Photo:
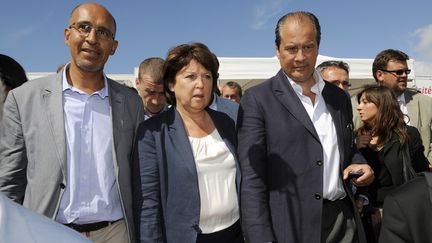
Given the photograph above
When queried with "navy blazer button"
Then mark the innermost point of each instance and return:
(62, 186)
(317, 196)
(319, 162)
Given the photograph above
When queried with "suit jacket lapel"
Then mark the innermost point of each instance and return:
(52, 96)
(180, 142)
(117, 113)
(413, 108)
(289, 99)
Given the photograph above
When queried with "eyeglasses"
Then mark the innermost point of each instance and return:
(399, 72)
(85, 29)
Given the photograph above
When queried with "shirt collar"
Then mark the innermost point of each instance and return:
(316, 88)
(213, 104)
(401, 99)
(66, 86)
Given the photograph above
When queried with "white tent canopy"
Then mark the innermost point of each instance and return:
(250, 71)
(235, 68)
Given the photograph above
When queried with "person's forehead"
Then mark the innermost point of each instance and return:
(94, 14)
(296, 22)
(334, 69)
(397, 63)
(152, 86)
(232, 89)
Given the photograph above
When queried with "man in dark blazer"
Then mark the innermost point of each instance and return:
(407, 212)
(66, 140)
(296, 148)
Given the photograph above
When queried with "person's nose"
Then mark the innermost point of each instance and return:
(200, 82)
(92, 36)
(300, 56)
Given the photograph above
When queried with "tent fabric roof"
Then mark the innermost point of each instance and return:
(235, 68)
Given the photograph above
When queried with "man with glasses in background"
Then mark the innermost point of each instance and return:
(66, 140)
(335, 72)
(390, 69)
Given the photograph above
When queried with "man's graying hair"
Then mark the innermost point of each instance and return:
(337, 64)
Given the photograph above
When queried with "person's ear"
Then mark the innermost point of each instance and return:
(114, 47)
(277, 52)
(380, 76)
(171, 86)
(67, 34)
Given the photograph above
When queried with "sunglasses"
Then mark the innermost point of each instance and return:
(399, 72)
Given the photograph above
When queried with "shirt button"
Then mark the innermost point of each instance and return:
(317, 196)
(319, 163)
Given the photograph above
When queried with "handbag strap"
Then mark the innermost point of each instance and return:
(408, 170)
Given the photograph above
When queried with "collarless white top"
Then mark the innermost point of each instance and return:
(216, 172)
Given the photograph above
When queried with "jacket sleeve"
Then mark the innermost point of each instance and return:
(416, 148)
(252, 145)
(13, 158)
(147, 191)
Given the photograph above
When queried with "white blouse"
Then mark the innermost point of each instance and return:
(216, 171)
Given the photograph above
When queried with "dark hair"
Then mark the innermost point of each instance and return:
(384, 57)
(152, 66)
(234, 85)
(215, 85)
(389, 117)
(179, 57)
(333, 63)
(12, 74)
(299, 15)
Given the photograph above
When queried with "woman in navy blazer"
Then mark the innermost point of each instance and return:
(186, 190)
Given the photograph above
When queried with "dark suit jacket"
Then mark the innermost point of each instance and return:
(408, 213)
(167, 195)
(33, 167)
(281, 159)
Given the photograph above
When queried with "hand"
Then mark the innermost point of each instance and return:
(364, 180)
(359, 202)
(363, 140)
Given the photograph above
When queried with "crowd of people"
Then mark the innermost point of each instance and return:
(179, 159)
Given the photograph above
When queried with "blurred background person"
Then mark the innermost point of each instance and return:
(12, 75)
(232, 91)
(189, 174)
(150, 87)
(382, 118)
(335, 72)
(407, 212)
